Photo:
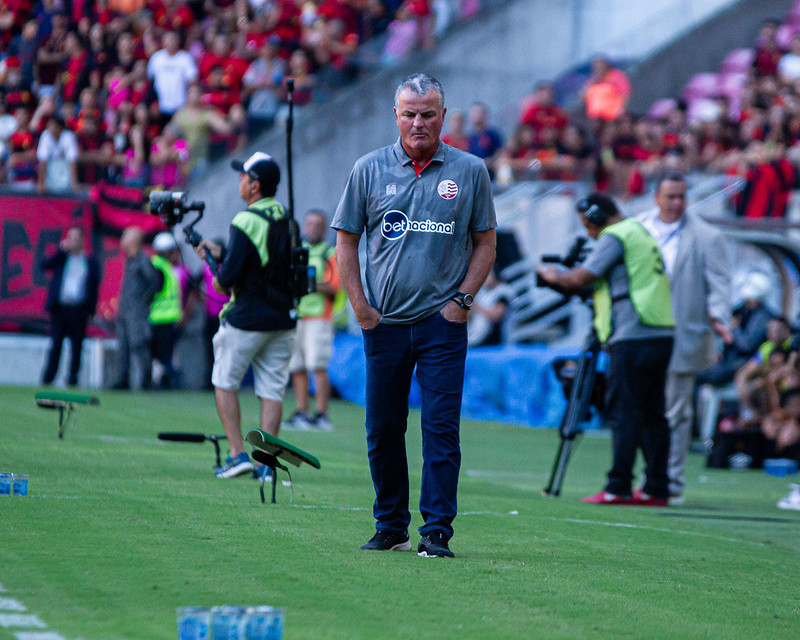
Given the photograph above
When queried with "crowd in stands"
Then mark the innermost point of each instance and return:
(140, 92)
(743, 121)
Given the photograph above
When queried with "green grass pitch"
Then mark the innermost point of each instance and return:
(119, 529)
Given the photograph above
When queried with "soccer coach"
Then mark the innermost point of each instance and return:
(429, 218)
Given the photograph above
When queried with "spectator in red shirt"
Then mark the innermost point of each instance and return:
(285, 24)
(12, 93)
(172, 15)
(768, 55)
(75, 75)
(87, 109)
(21, 162)
(231, 68)
(215, 93)
(543, 111)
(300, 69)
(95, 152)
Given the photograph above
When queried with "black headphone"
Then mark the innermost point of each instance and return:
(593, 212)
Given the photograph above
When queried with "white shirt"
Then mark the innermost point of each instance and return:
(65, 148)
(667, 235)
(73, 283)
(171, 76)
(789, 67)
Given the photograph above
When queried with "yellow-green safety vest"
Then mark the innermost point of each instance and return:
(166, 305)
(256, 228)
(648, 281)
(312, 305)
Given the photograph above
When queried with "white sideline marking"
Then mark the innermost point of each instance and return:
(38, 635)
(9, 604)
(661, 529)
(2, 589)
(21, 620)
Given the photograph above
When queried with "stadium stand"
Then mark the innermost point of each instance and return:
(119, 71)
(741, 120)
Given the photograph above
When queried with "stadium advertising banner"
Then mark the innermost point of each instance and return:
(31, 228)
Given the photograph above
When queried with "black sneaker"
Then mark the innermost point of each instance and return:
(434, 545)
(388, 541)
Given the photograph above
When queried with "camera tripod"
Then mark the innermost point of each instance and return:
(577, 411)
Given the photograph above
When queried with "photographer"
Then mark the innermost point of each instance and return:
(256, 325)
(633, 317)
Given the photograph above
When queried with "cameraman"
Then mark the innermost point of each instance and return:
(255, 326)
(633, 317)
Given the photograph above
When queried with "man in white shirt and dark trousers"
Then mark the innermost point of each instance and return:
(71, 301)
(698, 265)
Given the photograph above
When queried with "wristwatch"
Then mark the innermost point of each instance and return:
(464, 300)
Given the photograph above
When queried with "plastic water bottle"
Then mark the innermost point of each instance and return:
(193, 623)
(19, 482)
(264, 623)
(228, 623)
(6, 483)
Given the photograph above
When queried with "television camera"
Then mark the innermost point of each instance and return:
(172, 207)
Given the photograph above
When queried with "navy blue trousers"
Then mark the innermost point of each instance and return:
(438, 349)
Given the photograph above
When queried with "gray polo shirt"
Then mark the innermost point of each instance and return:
(607, 259)
(418, 227)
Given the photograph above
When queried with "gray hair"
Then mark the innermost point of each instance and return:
(421, 84)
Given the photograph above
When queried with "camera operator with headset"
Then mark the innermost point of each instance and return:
(633, 318)
(257, 325)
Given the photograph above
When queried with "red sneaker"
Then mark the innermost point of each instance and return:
(642, 499)
(604, 497)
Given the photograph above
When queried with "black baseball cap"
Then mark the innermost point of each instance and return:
(260, 166)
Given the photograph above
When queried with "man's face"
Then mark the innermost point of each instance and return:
(171, 43)
(478, 117)
(74, 240)
(314, 228)
(247, 187)
(777, 331)
(592, 230)
(419, 120)
(671, 199)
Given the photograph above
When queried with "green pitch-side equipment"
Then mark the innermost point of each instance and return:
(65, 403)
(269, 449)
